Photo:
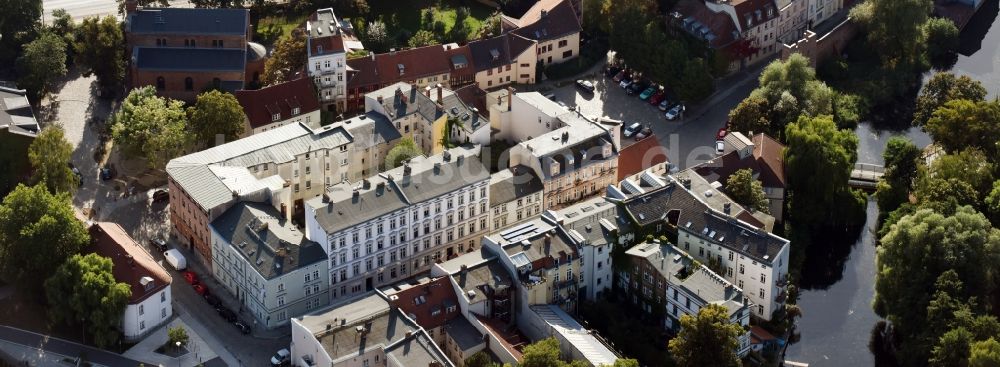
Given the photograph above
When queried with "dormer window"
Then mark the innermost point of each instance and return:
(276, 117)
(296, 111)
(401, 68)
(319, 49)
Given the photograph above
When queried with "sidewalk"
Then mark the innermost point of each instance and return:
(725, 86)
(42, 348)
(198, 350)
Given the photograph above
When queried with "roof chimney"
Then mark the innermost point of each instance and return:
(727, 207)
(406, 169)
(427, 91)
(544, 13)
(440, 93)
(510, 96)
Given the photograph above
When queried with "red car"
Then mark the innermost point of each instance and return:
(721, 134)
(200, 289)
(190, 277)
(657, 98)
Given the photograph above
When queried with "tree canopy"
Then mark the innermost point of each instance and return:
(707, 339)
(960, 124)
(83, 290)
(985, 354)
(942, 42)
(38, 230)
(41, 64)
(422, 38)
(743, 188)
(818, 160)
(50, 156)
(17, 17)
(912, 257)
(942, 88)
(895, 29)
(151, 127)
(216, 113)
(100, 50)
(288, 57)
(901, 159)
(404, 150)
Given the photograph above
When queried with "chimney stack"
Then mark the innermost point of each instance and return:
(727, 207)
(440, 93)
(510, 96)
(427, 91)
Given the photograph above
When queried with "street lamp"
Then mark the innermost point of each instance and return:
(178, 344)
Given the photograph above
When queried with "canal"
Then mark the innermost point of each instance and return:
(837, 288)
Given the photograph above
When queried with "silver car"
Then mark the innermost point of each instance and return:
(632, 129)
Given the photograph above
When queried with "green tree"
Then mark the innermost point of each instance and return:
(789, 89)
(376, 37)
(897, 30)
(63, 26)
(100, 50)
(460, 32)
(743, 188)
(818, 160)
(708, 339)
(18, 17)
(993, 204)
(404, 150)
(449, 131)
(970, 166)
(422, 38)
(985, 354)
(216, 113)
(490, 26)
(901, 159)
(83, 290)
(626, 362)
(914, 254)
(41, 64)
(543, 353)
(942, 88)
(697, 81)
(752, 114)
(176, 335)
(288, 57)
(50, 155)
(945, 195)
(151, 127)
(952, 349)
(942, 42)
(479, 359)
(38, 231)
(960, 124)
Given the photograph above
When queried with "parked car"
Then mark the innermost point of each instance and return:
(621, 75)
(107, 173)
(201, 289)
(212, 300)
(632, 129)
(647, 93)
(280, 358)
(637, 87)
(721, 134)
(243, 327)
(720, 147)
(161, 196)
(674, 113)
(612, 71)
(585, 85)
(664, 104)
(226, 313)
(175, 259)
(657, 98)
(190, 277)
(645, 133)
(159, 243)
(625, 83)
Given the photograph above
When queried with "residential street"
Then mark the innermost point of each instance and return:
(80, 9)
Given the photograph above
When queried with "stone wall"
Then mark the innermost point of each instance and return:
(818, 48)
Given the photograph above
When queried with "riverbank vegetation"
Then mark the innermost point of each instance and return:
(938, 262)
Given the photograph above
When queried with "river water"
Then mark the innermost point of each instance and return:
(838, 288)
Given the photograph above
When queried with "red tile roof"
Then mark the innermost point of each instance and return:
(326, 45)
(259, 105)
(768, 163)
(422, 300)
(753, 13)
(362, 72)
(455, 56)
(131, 261)
(558, 21)
(771, 154)
(639, 156)
(416, 62)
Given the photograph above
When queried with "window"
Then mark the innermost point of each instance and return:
(163, 297)
(188, 83)
(741, 270)
(563, 43)
(763, 278)
(762, 293)
(568, 53)
(142, 325)
(163, 312)
(281, 287)
(281, 301)
(140, 310)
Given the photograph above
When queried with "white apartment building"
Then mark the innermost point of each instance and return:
(328, 41)
(752, 258)
(595, 224)
(399, 223)
(515, 197)
(149, 304)
(266, 263)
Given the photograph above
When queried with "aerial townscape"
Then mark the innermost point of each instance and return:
(500, 183)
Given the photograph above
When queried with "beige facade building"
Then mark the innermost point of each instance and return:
(515, 197)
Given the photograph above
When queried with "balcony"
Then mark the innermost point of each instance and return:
(782, 295)
(782, 282)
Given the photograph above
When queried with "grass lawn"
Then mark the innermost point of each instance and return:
(408, 15)
(271, 28)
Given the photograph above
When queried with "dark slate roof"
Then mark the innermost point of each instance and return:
(559, 21)
(767, 163)
(428, 182)
(497, 51)
(346, 210)
(510, 184)
(273, 250)
(455, 107)
(464, 334)
(190, 59)
(370, 129)
(679, 207)
(15, 113)
(189, 21)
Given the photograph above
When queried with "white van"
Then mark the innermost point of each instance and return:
(175, 259)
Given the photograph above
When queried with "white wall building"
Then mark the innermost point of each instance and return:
(266, 263)
(515, 197)
(328, 41)
(398, 223)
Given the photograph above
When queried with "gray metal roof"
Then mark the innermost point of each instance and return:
(271, 246)
(464, 334)
(370, 129)
(15, 113)
(189, 21)
(189, 59)
(506, 187)
(279, 145)
(345, 210)
(435, 176)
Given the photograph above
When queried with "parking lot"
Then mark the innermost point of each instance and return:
(689, 140)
